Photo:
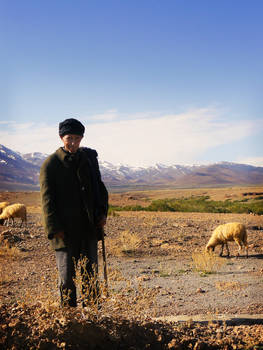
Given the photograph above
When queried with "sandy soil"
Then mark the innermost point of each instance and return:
(155, 254)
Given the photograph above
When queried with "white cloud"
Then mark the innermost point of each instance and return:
(107, 116)
(256, 161)
(26, 138)
(168, 139)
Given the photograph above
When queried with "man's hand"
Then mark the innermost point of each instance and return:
(102, 221)
(59, 234)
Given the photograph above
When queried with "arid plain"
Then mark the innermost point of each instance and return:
(157, 269)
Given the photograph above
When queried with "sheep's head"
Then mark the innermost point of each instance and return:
(209, 247)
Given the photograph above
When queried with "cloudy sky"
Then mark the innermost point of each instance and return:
(153, 81)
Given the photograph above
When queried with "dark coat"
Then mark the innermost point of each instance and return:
(74, 198)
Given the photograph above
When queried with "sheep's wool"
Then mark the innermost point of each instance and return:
(16, 210)
(233, 231)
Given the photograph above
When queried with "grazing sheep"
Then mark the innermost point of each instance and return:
(14, 211)
(232, 231)
(3, 205)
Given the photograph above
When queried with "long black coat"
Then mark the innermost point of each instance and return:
(73, 196)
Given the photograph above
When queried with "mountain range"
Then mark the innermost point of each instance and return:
(20, 172)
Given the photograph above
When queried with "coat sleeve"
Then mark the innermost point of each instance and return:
(103, 193)
(48, 200)
(102, 197)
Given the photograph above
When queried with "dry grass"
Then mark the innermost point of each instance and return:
(88, 284)
(34, 209)
(165, 271)
(126, 244)
(232, 285)
(7, 253)
(114, 275)
(123, 299)
(206, 263)
(5, 277)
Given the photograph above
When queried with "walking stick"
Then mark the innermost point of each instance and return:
(104, 261)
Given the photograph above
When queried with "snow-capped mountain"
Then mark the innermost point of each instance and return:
(21, 172)
(36, 158)
(16, 173)
(124, 174)
(160, 175)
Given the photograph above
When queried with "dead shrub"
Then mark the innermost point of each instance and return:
(207, 262)
(232, 285)
(125, 245)
(88, 284)
(7, 251)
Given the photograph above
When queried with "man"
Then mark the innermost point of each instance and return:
(74, 204)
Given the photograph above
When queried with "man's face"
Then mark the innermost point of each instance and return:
(71, 142)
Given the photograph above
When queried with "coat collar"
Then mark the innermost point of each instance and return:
(68, 158)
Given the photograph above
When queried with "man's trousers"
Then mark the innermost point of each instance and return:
(85, 253)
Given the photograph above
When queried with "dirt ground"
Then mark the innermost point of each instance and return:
(156, 267)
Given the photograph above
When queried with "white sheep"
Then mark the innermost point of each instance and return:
(3, 205)
(17, 210)
(232, 231)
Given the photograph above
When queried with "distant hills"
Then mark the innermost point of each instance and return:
(16, 172)
(20, 172)
(179, 176)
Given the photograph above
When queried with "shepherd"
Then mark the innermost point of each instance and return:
(74, 205)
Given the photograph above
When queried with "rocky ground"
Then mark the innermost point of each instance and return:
(156, 270)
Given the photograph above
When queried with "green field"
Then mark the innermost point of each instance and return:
(201, 204)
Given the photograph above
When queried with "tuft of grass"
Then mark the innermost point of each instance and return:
(206, 263)
(90, 288)
(164, 272)
(8, 251)
(232, 285)
(181, 271)
(127, 244)
(112, 212)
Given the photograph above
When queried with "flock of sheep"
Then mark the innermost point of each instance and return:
(233, 231)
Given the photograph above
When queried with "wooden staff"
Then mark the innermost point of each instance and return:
(104, 260)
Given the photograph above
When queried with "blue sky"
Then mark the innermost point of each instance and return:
(168, 81)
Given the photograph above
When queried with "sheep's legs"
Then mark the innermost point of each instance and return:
(227, 249)
(23, 222)
(240, 246)
(7, 222)
(12, 221)
(239, 250)
(245, 245)
(222, 249)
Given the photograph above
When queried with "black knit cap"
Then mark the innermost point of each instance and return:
(71, 126)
